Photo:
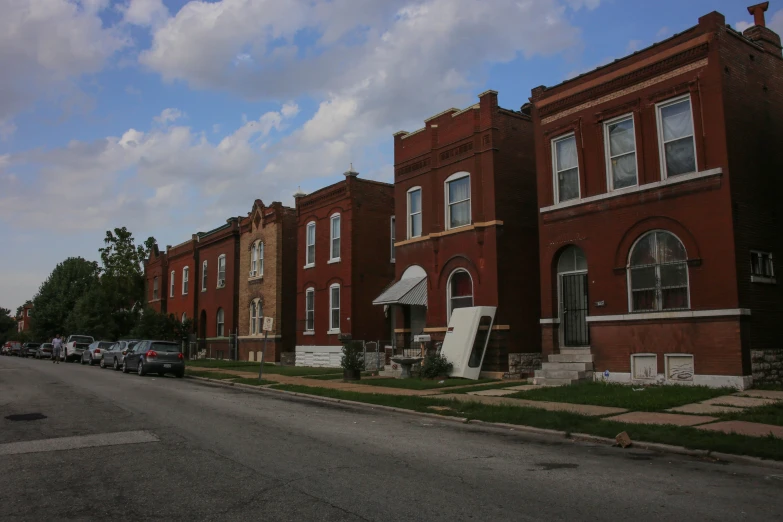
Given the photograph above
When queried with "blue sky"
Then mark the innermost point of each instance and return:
(169, 116)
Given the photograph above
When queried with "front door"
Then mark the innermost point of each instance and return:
(573, 307)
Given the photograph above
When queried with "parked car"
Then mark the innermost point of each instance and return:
(74, 346)
(30, 349)
(14, 348)
(159, 357)
(44, 351)
(6, 349)
(114, 356)
(94, 352)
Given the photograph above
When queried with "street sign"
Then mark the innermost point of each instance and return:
(268, 324)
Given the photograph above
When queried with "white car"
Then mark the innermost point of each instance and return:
(93, 354)
(75, 346)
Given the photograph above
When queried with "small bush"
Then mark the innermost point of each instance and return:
(353, 356)
(436, 365)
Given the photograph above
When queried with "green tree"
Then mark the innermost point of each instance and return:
(57, 296)
(7, 325)
(93, 314)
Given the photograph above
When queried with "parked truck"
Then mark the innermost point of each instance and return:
(75, 346)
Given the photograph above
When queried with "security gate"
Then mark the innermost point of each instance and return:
(573, 302)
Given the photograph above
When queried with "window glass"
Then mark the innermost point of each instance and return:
(335, 308)
(679, 148)
(460, 291)
(310, 244)
(310, 310)
(335, 246)
(658, 273)
(622, 153)
(261, 258)
(220, 318)
(459, 202)
(414, 213)
(393, 236)
(566, 169)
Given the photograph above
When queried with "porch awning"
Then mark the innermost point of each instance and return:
(411, 291)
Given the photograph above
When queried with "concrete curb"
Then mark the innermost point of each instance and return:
(495, 426)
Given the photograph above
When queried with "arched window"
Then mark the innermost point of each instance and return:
(658, 273)
(414, 212)
(310, 309)
(220, 321)
(256, 317)
(460, 290)
(334, 308)
(185, 280)
(572, 259)
(221, 271)
(254, 260)
(334, 238)
(260, 249)
(457, 192)
(310, 251)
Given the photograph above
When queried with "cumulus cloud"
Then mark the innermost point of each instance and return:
(144, 12)
(168, 115)
(45, 44)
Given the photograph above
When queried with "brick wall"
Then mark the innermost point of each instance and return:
(210, 246)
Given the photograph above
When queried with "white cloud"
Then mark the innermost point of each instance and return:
(774, 22)
(742, 25)
(46, 44)
(168, 115)
(663, 32)
(144, 12)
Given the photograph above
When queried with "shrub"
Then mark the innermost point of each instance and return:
(353, 356)
(436, 365)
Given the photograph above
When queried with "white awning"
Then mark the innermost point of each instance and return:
(411, 291)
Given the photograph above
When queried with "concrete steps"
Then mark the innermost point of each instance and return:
(570, 366)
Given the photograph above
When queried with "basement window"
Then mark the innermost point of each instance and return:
(762, 269)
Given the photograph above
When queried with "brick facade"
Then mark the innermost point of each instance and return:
(497, 246)
(155, 280)
(272, 289)
(719, 211)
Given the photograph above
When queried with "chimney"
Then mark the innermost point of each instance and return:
(350, 173)
(760, 33)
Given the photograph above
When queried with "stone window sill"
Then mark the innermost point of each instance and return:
(311, 265)
(763, 280)
(308, 333)
(335, 260)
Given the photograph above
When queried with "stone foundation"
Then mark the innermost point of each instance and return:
(767, 366)
(522, 365)
(288, 359)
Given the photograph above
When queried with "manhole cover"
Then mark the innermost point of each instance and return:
(26, 417)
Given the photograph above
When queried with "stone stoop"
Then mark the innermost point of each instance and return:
(570, 366)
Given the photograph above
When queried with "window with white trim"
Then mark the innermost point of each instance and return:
(155, 290)
(620, 140)
(334, 243)
(459, 290)
(171, 283)
(334, 308)
(761, 266)
(256, 317)
(310, 309)
(185, 280)
(414, 212)
(658, 273)
(221, 272)
(676, 138)
(393, 237)
(457, 188)
(204, 276)
(260, 258)
(565, 159)
(220, 323)
(254, 260)
(310, 251)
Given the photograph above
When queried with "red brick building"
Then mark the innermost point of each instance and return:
(658, 176)
(180, 292)
(155, 274)
(23, 323)
(343, 262)
(466, 229)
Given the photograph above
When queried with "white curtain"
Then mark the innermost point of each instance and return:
(415, 198)
(459, 190)
(678, 137)
(566, 154)
(567, 169)
(677, 120)
(622, 149)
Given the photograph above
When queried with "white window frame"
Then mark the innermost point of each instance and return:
(204, 275)
(155, 288)
(758, 278)
(555, 172)
(221, 281)
(662, 145)
(336, 216)
(447, 204)
(256, 317)
(171, 283)
(254, 260)
(220, 323)
(309, 263)
(309, 328)
(260, 259)
(393, 225)
(419, 213)
(185, 279)
(608, 151)
(448, 291)
(628, 276)
(332, 328)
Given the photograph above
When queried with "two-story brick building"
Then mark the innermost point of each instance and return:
(343, 262)
(467, 230)
(179, 294)
(658, 176)
(155, 279)
(24, 323)
(267, 281)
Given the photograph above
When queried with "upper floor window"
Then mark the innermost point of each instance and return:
(414, 212)
(620, 152)
(658, 273)
(675, 136)
(566, 168)
(221, 316)
(204, 276)
(460, 290)
(29, 313)
(260, 249)
(761, 267)
(221, 275)
(257, 259)
(171, 284)
(310, 252)
(256, 316)
(393, 237)
(185, 280)
(334, 308)
(310, 309)
(458, 200)
(334, 246)
(155, 290)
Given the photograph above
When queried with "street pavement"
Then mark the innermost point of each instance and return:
(123, 447)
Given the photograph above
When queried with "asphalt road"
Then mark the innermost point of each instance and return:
(116, 446)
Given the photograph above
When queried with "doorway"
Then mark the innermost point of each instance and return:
(572, 298)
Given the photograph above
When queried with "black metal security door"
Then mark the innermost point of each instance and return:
(574, 302)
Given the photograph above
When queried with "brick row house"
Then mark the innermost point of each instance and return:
(658, 221)
(344, 259)
(467, 230)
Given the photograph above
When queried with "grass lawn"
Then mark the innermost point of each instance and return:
(764, 447)
(292, 371)
(650, 398)
(421, 384)
(769, 414)
(210, 375)
(495, 386)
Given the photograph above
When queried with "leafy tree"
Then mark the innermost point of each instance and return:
(154, 325)
(92, 313)
(7, 325)
(57, 296)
